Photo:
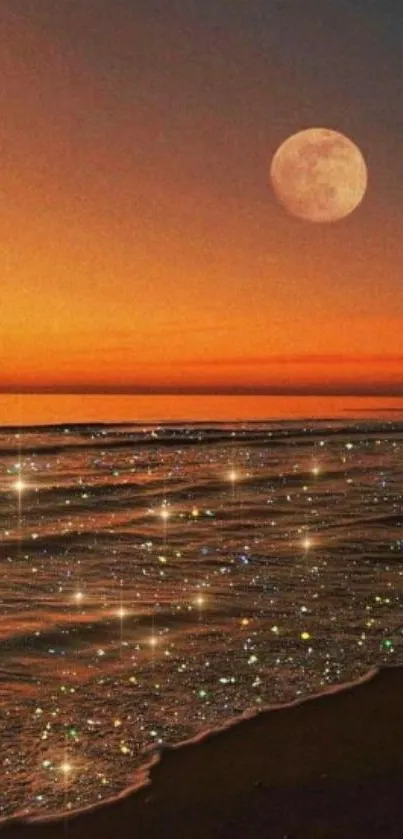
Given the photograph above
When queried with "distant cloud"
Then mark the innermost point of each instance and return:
(269, 360)
(339, 388)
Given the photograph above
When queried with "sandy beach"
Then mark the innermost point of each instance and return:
(330, 766)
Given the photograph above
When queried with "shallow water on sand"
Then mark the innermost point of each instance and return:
(158, 580)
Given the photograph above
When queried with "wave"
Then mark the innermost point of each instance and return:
(188, 572)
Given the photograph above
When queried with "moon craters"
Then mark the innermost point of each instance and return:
(319, 175)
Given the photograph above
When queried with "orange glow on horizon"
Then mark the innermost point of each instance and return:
(40, 409)
(124, 270)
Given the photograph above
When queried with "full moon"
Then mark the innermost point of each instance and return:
(319, 175)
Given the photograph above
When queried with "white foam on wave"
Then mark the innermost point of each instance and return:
(142, 777)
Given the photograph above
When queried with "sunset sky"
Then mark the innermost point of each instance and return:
(142, 247)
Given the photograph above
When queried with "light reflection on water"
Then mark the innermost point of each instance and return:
(157, 580)
(44, 409)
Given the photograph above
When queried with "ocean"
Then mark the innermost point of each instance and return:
(159, 579)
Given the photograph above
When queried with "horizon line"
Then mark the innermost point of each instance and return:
(308, 391)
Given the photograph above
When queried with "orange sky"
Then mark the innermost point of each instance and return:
(142, 248)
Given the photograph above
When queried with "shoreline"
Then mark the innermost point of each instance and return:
(349, 737)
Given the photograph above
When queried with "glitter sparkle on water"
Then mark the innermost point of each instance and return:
(167, 580)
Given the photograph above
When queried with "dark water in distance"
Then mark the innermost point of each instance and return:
(160, 579)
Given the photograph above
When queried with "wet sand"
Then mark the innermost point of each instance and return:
(330, 766)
